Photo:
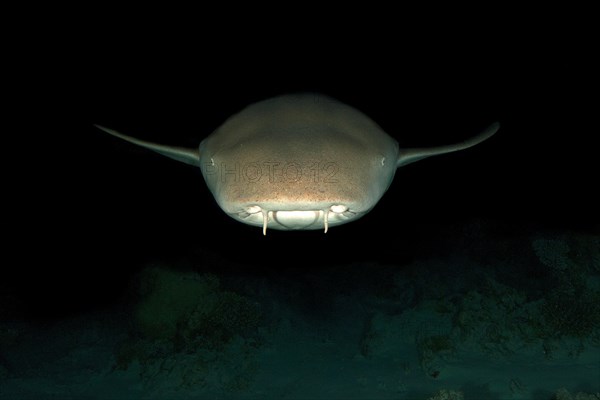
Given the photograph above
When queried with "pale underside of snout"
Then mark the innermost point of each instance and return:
(336, 214)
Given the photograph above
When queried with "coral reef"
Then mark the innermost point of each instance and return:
(494, 318)
(553, 253)
(570, 259)
(572, 304)
(433, 351)
(445, 394)
(189, 329)
(563, 394)
(168, 298)
(188, 308)
(586, 251)
(571, 314)
(211, 327)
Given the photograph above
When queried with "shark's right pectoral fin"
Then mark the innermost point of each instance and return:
(408, 156)
(186, 155)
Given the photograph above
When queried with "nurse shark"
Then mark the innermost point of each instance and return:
(299, 162)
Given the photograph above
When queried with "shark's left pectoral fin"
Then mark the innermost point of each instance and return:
(408, 156)
(188, 156)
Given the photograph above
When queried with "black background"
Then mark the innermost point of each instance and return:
(85, 210)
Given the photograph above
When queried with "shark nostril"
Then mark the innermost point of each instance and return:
(253, 209)
(338, 208)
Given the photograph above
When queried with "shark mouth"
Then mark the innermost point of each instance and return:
(296, 219)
